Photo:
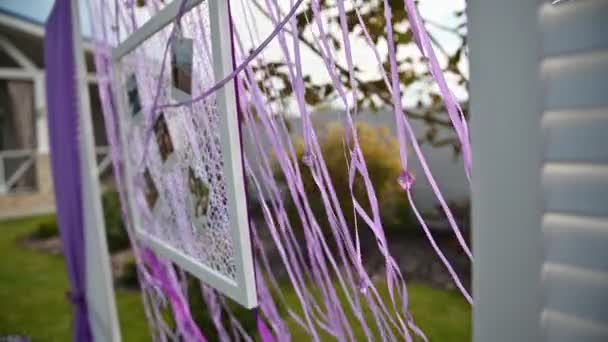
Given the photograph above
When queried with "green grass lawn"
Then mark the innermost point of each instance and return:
(442, 315)
(33, 286)
(32, 292)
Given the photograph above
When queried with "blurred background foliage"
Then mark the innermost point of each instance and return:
(381, 152)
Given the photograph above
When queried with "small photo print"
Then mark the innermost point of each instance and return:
(181, 64)
(163, 137)
(199, 197)
(150, 191)
(133, 96)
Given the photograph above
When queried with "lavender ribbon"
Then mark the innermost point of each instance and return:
(63, 121)
(313, 261)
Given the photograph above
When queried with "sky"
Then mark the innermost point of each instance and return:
(38, 11)
(439, 11)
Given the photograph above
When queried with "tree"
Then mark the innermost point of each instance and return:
(381, 152)
(373, 93)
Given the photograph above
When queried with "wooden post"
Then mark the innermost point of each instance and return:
(506, 107)
(100, 291)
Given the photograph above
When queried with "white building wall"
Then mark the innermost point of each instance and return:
(575, 172)
(539, 96)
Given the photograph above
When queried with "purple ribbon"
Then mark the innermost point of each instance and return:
(63, 122)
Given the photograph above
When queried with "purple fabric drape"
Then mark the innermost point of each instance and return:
(62, 104)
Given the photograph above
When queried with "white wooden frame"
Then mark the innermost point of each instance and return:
(101, 300)
(506, 106)
(242, 289)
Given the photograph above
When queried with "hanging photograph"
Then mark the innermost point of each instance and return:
(199, 195)
(181, 65)
(163, 138)
(133, 96)
(194, 151)
(150, 191)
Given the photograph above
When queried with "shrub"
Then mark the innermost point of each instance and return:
(202, 316)
(115, 228)
(46, 229)
(116, 234)
(381, 152)
(129, 277)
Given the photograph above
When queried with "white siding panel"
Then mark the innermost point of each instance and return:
(559, 327)
(576, 240)
(574, 26)
(576, 291)
(573, 136)
(575, 175)
(576, 81)
(506, 107)
(555, 63)
(576, 188)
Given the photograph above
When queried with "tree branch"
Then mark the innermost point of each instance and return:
(365, 86)
(300, 35)
(453, 30)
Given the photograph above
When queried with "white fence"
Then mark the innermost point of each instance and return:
(14, 165)
(17, 165)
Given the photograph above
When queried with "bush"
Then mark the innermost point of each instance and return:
(47, 229)
(381, 152)
(202, 316)
(116, 233)
(129, 277)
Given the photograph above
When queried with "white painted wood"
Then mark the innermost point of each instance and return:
(213, 278)
(196, 268)
(576, 188)
(242, 289)
(576, 291)
(3, 188)
(16, 153)
(566, 236)
(21, 25)
(105, 161)
(25, 74)
(566, 328)
(155, 24)
(231, 148)
(576, 81)
(42, 131)
(21, 170)
(574, 26)
(92, 78)
(574, 135)
(100, 291)
(506, 107)
(18, 73)
(27, 160)
(16, 54)
(575, 174)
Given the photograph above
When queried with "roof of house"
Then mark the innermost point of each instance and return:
(22, 23)
(35, 13)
